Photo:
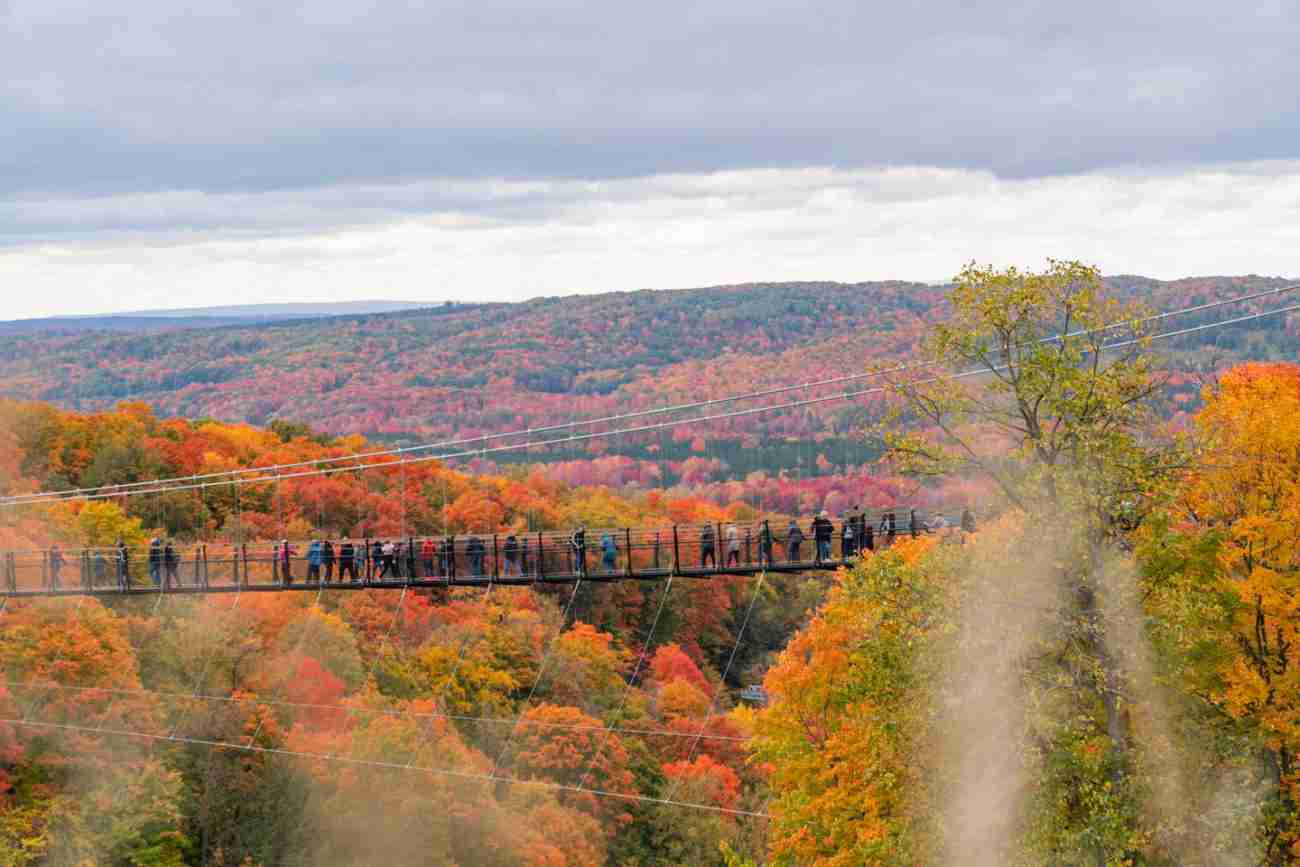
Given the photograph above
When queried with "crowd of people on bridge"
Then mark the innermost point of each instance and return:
(721, 547)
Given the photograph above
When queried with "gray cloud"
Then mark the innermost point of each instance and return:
(146, 97)
(495, 240)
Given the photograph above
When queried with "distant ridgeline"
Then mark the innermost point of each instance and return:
(452, 371)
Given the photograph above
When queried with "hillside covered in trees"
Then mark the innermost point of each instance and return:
(1102, 672)
(625, 689)
(463, 370)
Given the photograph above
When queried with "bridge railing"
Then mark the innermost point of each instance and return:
(597, 553)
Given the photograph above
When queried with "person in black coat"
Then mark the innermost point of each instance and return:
(475, 550)
(327, 559)
(171, 563)
(511, 551)
(447, 556)
(347, 559)
(155, 561)
(123, 564)
(823, 530)
(578, 544)
(706, 546)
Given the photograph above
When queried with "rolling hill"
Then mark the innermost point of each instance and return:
(461, 370)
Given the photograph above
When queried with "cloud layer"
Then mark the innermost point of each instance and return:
(154, 154)
(147, 96)
(502, 240)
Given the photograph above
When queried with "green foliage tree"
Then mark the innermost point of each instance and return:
(1043, 383)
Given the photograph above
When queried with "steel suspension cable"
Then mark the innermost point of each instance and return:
(713, 705)
(203, 672)
(846, 395)
(627, 689)
(303, 754)
(31, 705)
(440, 701)
(574, 423)
(419, 715)
(261, 720)
(541, 670)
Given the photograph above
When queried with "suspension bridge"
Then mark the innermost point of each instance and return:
(519, 559)
(472, 560)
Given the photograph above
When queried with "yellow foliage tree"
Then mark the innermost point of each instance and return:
(1225, 574)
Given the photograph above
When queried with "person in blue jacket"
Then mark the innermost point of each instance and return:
(314, 554)
(609, 552)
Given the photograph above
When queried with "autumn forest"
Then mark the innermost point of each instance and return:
(1103, 669)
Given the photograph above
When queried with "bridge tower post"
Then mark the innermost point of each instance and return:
(677, 553)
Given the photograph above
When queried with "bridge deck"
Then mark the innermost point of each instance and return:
(470, 560)
(182, 589)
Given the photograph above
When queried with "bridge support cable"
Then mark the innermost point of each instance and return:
(541, 672)
(135, 651)
(31, 705)
(128, 487)
(379, 654)
(440, 701)
(631, 679)
(464, 775)
(713, 704)
(842, 396)
(409, 714)
(184, 717)
(297, 649)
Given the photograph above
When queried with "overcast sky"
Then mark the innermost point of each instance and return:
(161, 155)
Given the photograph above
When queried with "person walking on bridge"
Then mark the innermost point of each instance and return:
(706, 546)
(609, 552)
(476, 551)
(171, 564)
(733, 545)
(155, 561)
(765, 545)
(426, 557)
(123, 564)
(286, 562)
(56, 566)
(327, 557)
(511, 550)
(822, 530)
(100, 569)
(347, 560)
(314, 556)
(793, 541)
(447, 556)
(578, 548)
